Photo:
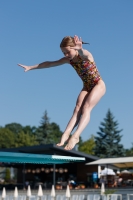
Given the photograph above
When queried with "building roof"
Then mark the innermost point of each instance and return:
(121, 162)
(51, 149)
(37, 158)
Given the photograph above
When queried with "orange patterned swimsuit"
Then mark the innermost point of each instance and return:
(87, 71)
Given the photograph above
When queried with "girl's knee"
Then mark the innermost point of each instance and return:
(77, 108)
(87, 107)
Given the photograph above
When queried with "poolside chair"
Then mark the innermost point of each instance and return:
(33, 197)
(49, 197)
(90, 196)
(81, 197)
(96, 197)
(103, 197)
(44, 197)
(129, 196)
(114, 196)
(23, 197)
(74, 197)
(8, 197)
(61, 197)
(20, 197)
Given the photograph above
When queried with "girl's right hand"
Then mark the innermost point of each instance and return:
(26, 68)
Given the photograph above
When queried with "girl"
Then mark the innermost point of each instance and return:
(93, 85)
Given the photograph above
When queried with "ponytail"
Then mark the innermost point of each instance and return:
(85, 42)
(69, 41)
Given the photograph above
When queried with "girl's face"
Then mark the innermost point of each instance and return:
(68, 52)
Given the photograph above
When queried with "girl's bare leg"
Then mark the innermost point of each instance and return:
(90, 101)
(75, 118)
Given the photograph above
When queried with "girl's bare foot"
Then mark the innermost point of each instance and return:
(64, 138)
(72, 142)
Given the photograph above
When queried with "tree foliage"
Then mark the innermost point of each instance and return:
(24, 139)
(107, 144)
(16, 135)
(7, 175)
(88, 146)
(43, 130)
(48, 132)
(108, 139)
(129, 152)
(7, 138)
(14, 127)
(30, 130)
(54, 134)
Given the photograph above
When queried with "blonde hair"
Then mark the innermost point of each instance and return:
(69, 41)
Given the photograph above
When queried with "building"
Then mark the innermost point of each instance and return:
(37, 173)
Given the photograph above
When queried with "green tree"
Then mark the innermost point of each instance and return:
(48, 132)
(25, 139)
(7, 138)
(88, 146)
(43, 130)
(129, 152)
(30, 130)
(108, 139)
(17, 128)
(54, 134)
(7, 175)
(80, 142)
(14, 127)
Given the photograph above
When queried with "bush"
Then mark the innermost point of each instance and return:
(7, 175)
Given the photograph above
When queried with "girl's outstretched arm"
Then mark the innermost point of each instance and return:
(46, 64)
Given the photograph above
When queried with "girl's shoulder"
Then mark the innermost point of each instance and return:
(87, 59)
(63, 60)
(87, 56)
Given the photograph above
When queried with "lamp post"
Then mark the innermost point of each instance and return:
(54, 177)
(24, 176)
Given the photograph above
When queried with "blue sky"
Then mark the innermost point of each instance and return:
(30, 33)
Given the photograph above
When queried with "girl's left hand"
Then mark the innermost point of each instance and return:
(78, 43)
